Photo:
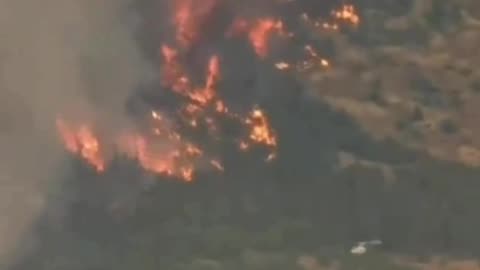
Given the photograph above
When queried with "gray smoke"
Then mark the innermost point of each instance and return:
(72, 57)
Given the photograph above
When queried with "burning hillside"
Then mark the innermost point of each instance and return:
(202, 118)
(331, 123)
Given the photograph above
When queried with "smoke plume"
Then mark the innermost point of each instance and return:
(71, 56)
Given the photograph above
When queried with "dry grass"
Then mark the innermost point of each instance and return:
(447, 89)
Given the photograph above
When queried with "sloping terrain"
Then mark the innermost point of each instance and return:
(377, 141)
(421, 90)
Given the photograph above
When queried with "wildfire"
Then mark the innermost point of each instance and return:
(173, 74)
(184, 24)
(238, 27)
(261, 131)
(348, 14)
(312, 60)
(81, 140)
(189, 15)
(163, 147)
(261, 32)
(171, 157)
(205, 95)
(168, 155)
(258, 31)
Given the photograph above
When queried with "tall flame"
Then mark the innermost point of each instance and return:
(261, 131)
(162, 148)
(81, 140)
(206, 94)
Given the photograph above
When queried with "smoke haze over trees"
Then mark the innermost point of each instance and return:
(336, 178)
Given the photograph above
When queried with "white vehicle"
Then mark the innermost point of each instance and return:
(361, 247)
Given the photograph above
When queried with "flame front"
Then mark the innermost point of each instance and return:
(173, 158)
(162, 148)
(258, 31)
(261, 132)
(207, 93)
(81, 140)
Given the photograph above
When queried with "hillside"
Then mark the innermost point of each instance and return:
(380, 143)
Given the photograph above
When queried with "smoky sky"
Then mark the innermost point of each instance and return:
(74, 57)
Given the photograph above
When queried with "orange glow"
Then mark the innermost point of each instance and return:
(173, 74)
(324, 63)
(162, 147)
(261, 131)
(170, 157)
(81, 140)
(348, 14)
(260, 33)
(221, 107)
(238, 26)
(313, 59)
(188, 16)
(205, 95)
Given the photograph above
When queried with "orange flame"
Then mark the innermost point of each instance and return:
(163, 150)
(184, 22)
(345, 14)
(238, 26)
(82, 141)
(261, 131)
(173, 74)
(261, 32)
(348, 14)
(168, 155)
(169, 159)
(205, 95)
(188, 16)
